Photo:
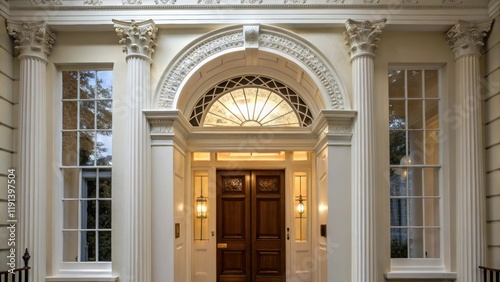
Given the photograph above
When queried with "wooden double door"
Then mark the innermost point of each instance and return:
(251, 226)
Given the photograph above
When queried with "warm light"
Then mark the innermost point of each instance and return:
(201, 207)
(300, 206)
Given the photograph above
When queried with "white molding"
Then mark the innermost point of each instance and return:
(494, 8)
(4, 9)
(417, 18)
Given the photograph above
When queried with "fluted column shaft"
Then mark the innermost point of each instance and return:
(33, 42)
(139, 39)
(361, 37)
(466, 39)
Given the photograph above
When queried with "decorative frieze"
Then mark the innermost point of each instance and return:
(165, 1)
(467, 37)
(361, 36)
(92, 2)
(209, 2)
(46, 2)
(131, 2)
(139, 37)
(294, 1)
(251, 1)
(32, 38)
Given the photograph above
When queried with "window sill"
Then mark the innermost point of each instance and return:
(420, 275)
(81, 279)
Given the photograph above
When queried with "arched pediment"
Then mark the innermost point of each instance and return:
(266, 38)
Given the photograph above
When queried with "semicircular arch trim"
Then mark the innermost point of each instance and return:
(232, 38)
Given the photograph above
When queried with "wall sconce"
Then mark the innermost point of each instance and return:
(300, 206)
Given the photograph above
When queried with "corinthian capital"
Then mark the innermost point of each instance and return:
(139, 37)
(467, 37)
(361, 36)
(32, 38)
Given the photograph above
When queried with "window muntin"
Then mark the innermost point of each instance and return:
(297, 104)
(86, 165)
(415, 163)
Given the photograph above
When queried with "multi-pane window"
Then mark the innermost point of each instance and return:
(86, 165)
(415, 163)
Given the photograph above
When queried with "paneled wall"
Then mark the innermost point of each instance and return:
(6, 131)
(492, 143)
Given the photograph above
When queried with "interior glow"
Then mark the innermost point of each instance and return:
(251, 106)
(251, 156)
(201, 156)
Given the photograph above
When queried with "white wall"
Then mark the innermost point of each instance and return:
(492, 143)
(7, 125)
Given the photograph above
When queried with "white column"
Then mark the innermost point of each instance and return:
(361, 38)
(33, 42)
(466, 40)
(139, 39)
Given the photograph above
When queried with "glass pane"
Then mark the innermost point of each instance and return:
(104, 114)
(397, 114)
(221, 111)
(70, 211)
(69, 148)
(431, 84)
(396, 84)
(104, 187)
(251, 97)
(432, 243)
(87, 84)
(88, 246)
(87, 150)
(88, 214)
(104, 147)
(87, 114)
(397, 139)
(399, 212)
(214, 120)
(416, 242)
(432, 145)
(431, 114)
(71, 182)
(70, 114)
(70, 246)
(415, 212)
(431, 212)
(431, 181)
(70, 84)
(399, 243)
(415, 182)
(88, 188)
(289, 119)
(415, 114)
(398, 181)
(416, 146)
(104, 245)
(104, 214)
(414, 83)
(104, 84)
(300, 229)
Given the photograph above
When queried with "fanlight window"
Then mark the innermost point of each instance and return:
(251, 101)
(251, 107)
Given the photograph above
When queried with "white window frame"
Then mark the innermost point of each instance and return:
(71, 271)
(431, 268)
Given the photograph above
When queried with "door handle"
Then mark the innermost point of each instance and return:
(222, 246)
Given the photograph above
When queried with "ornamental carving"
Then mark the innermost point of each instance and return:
(32, 38)
(161, 125)
(251, 36)
(467, 37)
(268, 184)
(370, 1)
(165, 1)
(251, 1)
(209, 2)
(234, 39)
(361, 36)
(294, 1)
(139, 37)
(451, 2)
(232, 184)
(92, 2)
(46, 2)
(335, 1)
(409, 1)
(131, 2)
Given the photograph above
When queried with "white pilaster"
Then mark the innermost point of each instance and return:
(361, 37)
(139, 39)
(33, 41)
(466, 40)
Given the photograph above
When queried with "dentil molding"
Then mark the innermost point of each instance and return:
(32, 38)
(467, 37)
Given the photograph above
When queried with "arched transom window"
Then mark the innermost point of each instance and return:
(251, 101)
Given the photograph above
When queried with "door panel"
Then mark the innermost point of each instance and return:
(233, 226)
(250, 238)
